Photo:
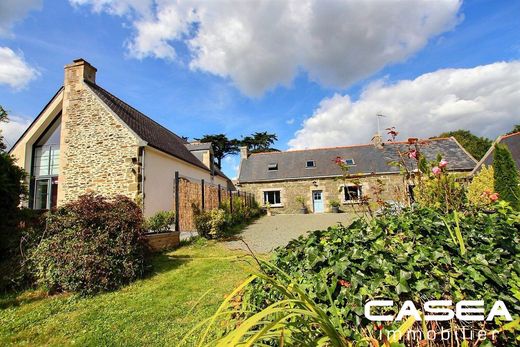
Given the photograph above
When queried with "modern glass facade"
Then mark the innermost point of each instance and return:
(45, 168)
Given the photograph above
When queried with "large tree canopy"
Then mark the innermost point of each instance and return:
(507, 180)
(260, 142)
(222, 146)
(476, 146)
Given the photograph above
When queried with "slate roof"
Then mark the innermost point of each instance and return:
(368, 160)
(199, 146)
(512, 141)
(147, 129)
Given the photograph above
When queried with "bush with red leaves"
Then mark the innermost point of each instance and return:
(91, 245)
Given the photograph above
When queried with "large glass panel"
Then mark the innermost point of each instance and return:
(41, 194)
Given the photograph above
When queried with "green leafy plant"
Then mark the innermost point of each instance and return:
(160, 222)
(438, 189)
(334, 203)
(210, 223)
(420, 253)
(481, 190)
(90, 245)
(301, 201)
(506, 177)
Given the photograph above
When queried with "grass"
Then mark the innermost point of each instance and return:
(158, 310)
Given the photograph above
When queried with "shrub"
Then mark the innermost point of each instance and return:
(410, 256)
(334, 203)
(210, 223)
(160, 222)
(481, 187)
(507, 181)
(11, 190)
(439, 189)
(91, 245)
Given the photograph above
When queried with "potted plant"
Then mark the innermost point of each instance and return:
(334, 206)
(268, 209)
(301, 200)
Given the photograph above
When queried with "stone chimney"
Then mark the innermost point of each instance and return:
(78, 71)
(377, 141)
(243, 152)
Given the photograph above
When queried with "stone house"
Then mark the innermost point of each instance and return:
(280, 178)
(88, 140)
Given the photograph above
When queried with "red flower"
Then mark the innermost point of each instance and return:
(412, 154)
(436, 170)
(443, 163)
(344, 283)
(494, 197)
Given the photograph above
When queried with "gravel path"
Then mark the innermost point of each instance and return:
(269, 232)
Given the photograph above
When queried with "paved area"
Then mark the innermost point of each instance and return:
(269, 232)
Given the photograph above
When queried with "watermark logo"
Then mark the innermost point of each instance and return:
(439, 310)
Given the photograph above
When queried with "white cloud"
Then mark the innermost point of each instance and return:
(14, 71)
(12, 11)
(12, 130)
(484, 99)
(259, 46)
(290, 121)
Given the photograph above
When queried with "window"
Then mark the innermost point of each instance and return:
(272, 197)
(272, 167)
(310, 164)
(349, 162)
(352, 193)
(45, 168)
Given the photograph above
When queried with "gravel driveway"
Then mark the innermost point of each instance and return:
(269, 232)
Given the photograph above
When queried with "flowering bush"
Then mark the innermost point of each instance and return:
(438, 189)
(91, 245)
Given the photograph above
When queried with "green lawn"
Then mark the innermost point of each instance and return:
(154, 311)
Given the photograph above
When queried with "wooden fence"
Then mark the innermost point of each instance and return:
(207, 196)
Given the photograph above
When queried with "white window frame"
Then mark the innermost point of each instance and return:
(313, 166)
(280, 204)
(343, 194)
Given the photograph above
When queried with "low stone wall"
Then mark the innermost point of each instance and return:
(159, 242)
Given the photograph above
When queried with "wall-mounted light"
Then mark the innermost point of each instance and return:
(314, 183)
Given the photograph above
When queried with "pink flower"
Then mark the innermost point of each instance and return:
(494, 197)
(436, 170)
(443, 163)
(412, 154)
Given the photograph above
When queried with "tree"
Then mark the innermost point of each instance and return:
(516, 129)
(222, 146)
(260, 142)
(506, 177)
(3, 118)
(476, 146)
(12, 189)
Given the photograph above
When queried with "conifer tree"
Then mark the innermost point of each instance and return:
(506, 177)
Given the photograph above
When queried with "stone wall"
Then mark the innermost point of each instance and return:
(393, 185)
(98, 153)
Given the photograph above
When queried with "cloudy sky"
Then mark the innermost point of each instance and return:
(316, 73)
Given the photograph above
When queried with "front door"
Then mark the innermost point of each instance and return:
(317, 201)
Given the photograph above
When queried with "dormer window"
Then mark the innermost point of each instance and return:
(310, 164)
(272, 167)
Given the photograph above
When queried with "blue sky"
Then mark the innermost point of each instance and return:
(312, 88)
